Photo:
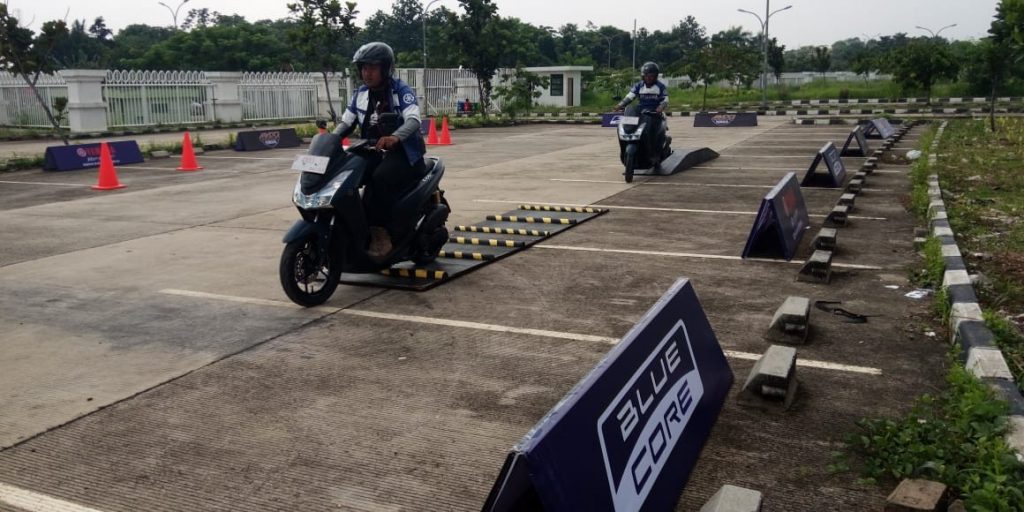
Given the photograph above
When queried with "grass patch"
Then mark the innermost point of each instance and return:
(919, 172)
(19, 163)
(1010, 341)
(983, 190)
(954, 437)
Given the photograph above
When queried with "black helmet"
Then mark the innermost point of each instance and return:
(650, 67)
(376, 53)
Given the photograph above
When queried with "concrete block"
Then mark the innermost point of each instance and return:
(988, 363)
(733, 499)
(942, 231)
(825, 239)
(919, 242)
(855, 186)
(837, 217)
(950, 250)
(917, 496)
(791, 322)
(197, 149)
(955, 277)
(772, 383)
(160, 154)
(817, 268)
(1015, 434)
(847, 200)
(920, 232)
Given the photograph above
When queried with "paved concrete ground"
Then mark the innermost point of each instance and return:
(152, 361)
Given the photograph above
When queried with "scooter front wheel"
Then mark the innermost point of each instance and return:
(630, 165)
(308, 275)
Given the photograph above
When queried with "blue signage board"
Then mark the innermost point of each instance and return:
(85, 156)
(611, 120)
(880, 129)
(836, 170)
(780, 223)
(267, 139)
(724, 119)
(862, 149)
(628, 435)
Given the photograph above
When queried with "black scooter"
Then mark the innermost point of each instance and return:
(333, 234)
(640, 147)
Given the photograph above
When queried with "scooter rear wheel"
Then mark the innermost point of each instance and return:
(630, 165)
(308, 275)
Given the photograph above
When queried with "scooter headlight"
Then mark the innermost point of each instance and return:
(321, 198)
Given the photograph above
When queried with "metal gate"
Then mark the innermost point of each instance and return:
(19, 107)
(148, 98)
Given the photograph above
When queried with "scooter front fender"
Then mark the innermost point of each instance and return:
(303, 228)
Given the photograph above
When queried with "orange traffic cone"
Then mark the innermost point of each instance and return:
(446, 136)
(108, 175)
(188, 156)
(432, 133)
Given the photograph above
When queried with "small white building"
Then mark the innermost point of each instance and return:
(564, 88)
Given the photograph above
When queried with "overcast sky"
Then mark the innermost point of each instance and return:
(809, 22)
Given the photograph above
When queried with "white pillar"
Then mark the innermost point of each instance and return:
(86, 110)
(226, 103)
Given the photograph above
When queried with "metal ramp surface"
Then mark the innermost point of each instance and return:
(473, 246)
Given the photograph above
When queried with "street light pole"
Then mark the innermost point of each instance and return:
(423, 18)
(936, 33)
(764, 45)
(174, 12)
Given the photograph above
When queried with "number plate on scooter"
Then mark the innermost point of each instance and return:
(630, 120)
(310, 163)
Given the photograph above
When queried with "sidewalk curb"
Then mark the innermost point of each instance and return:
(979, 353)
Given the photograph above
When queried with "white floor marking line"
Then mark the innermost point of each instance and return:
(694, 255)
(722, 185)
(34, 502)
(655, 209)
(810, 363)
(488, 327)
(43, 183)
(247, 157)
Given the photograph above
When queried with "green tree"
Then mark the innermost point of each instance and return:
(520, 90)
(323, 35)
(822, 60)
(25, 54)
(921, 63)
(200, 18)
(477, 34)
(85, 49)
(864, 63)
(776, 58)
(705, 69)
(133, 41)
(737, 56)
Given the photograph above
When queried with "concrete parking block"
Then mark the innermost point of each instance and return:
(791, 322)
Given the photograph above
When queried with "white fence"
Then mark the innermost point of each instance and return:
(270, 96)
(133, 99)
(20, 108)
(444, 89)
(148, 98)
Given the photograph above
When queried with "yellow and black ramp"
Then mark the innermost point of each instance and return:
(473, 246)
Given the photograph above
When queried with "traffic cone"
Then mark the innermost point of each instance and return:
(188, 156)
(432, 133)
(446, 137)
(108, 175)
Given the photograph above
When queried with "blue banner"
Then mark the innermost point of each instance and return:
(880, 129)
(267, 139)
(862, 149)
(628, 435)
(836, 169)
(781, 222)
(724, 119)
(85, 156)
(611, 120)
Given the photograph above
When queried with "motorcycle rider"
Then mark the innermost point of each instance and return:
(401, 163)
(653, 95)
